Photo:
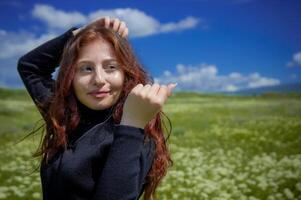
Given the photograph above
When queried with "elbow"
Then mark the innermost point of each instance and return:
(20, 64)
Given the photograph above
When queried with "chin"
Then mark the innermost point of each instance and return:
(100, 106)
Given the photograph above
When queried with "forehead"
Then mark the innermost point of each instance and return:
(97, 50)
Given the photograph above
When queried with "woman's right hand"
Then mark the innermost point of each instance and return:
(114, 23)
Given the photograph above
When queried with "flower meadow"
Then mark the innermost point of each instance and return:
(222, 147)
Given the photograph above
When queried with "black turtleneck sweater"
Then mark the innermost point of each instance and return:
(88, 119)
(104, 160)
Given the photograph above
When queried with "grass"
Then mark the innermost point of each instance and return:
(223, 147)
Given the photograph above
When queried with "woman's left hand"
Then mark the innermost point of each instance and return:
(144, 102)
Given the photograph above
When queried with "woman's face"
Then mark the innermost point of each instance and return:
(98, 79)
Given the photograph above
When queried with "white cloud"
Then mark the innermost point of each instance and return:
(255, 80)
(55, 18)
(186, 23)
(235, 75)
(167, 73)
(15, 44)
(296, 60)
(230, 88)
(205, 77)
(139, 23)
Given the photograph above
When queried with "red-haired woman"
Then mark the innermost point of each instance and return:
(104, 134)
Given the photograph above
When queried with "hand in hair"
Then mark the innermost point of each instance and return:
(144, 102)
(114, 23)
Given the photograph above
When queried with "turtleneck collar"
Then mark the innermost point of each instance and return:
(90, 116)
(88, 119)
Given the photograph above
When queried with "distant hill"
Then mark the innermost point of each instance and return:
(283, 88)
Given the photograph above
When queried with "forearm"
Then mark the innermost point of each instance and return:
(126, 167)
(36, 67)
(46, 57)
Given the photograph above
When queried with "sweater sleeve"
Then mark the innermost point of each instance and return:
(35, 67)
(127, 165)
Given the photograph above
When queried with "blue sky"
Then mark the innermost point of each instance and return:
(203, 45)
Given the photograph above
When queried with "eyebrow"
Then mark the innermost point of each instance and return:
(89, 61)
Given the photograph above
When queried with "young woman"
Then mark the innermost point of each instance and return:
(104, 136)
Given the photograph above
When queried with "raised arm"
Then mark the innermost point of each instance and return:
(127, 165)
(35, 67)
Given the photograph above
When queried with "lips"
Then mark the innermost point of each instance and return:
(99, 92)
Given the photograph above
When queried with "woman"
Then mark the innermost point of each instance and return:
(104, 137)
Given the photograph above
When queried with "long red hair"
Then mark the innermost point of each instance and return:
(61, 111)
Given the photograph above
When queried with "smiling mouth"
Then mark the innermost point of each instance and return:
(99, 94)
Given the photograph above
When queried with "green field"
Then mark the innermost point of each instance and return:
(223, 147)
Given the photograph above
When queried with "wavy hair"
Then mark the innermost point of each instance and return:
(61, 114)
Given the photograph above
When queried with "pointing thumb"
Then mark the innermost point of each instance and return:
(171, 86)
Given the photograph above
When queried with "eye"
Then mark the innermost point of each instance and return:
(86, 68)
(111, 67)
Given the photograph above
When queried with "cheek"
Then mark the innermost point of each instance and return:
(117, 80)
(78, 84)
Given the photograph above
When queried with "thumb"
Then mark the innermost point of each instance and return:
(170, 87)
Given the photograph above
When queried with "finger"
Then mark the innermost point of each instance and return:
(154, 90)
(125, 32)
(122, 28)
(170, 87)
(116, 24)
(137, 88)
(162, 93)
(107, 22)
(145, 90)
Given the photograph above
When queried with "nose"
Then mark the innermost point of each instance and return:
(99, 77)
